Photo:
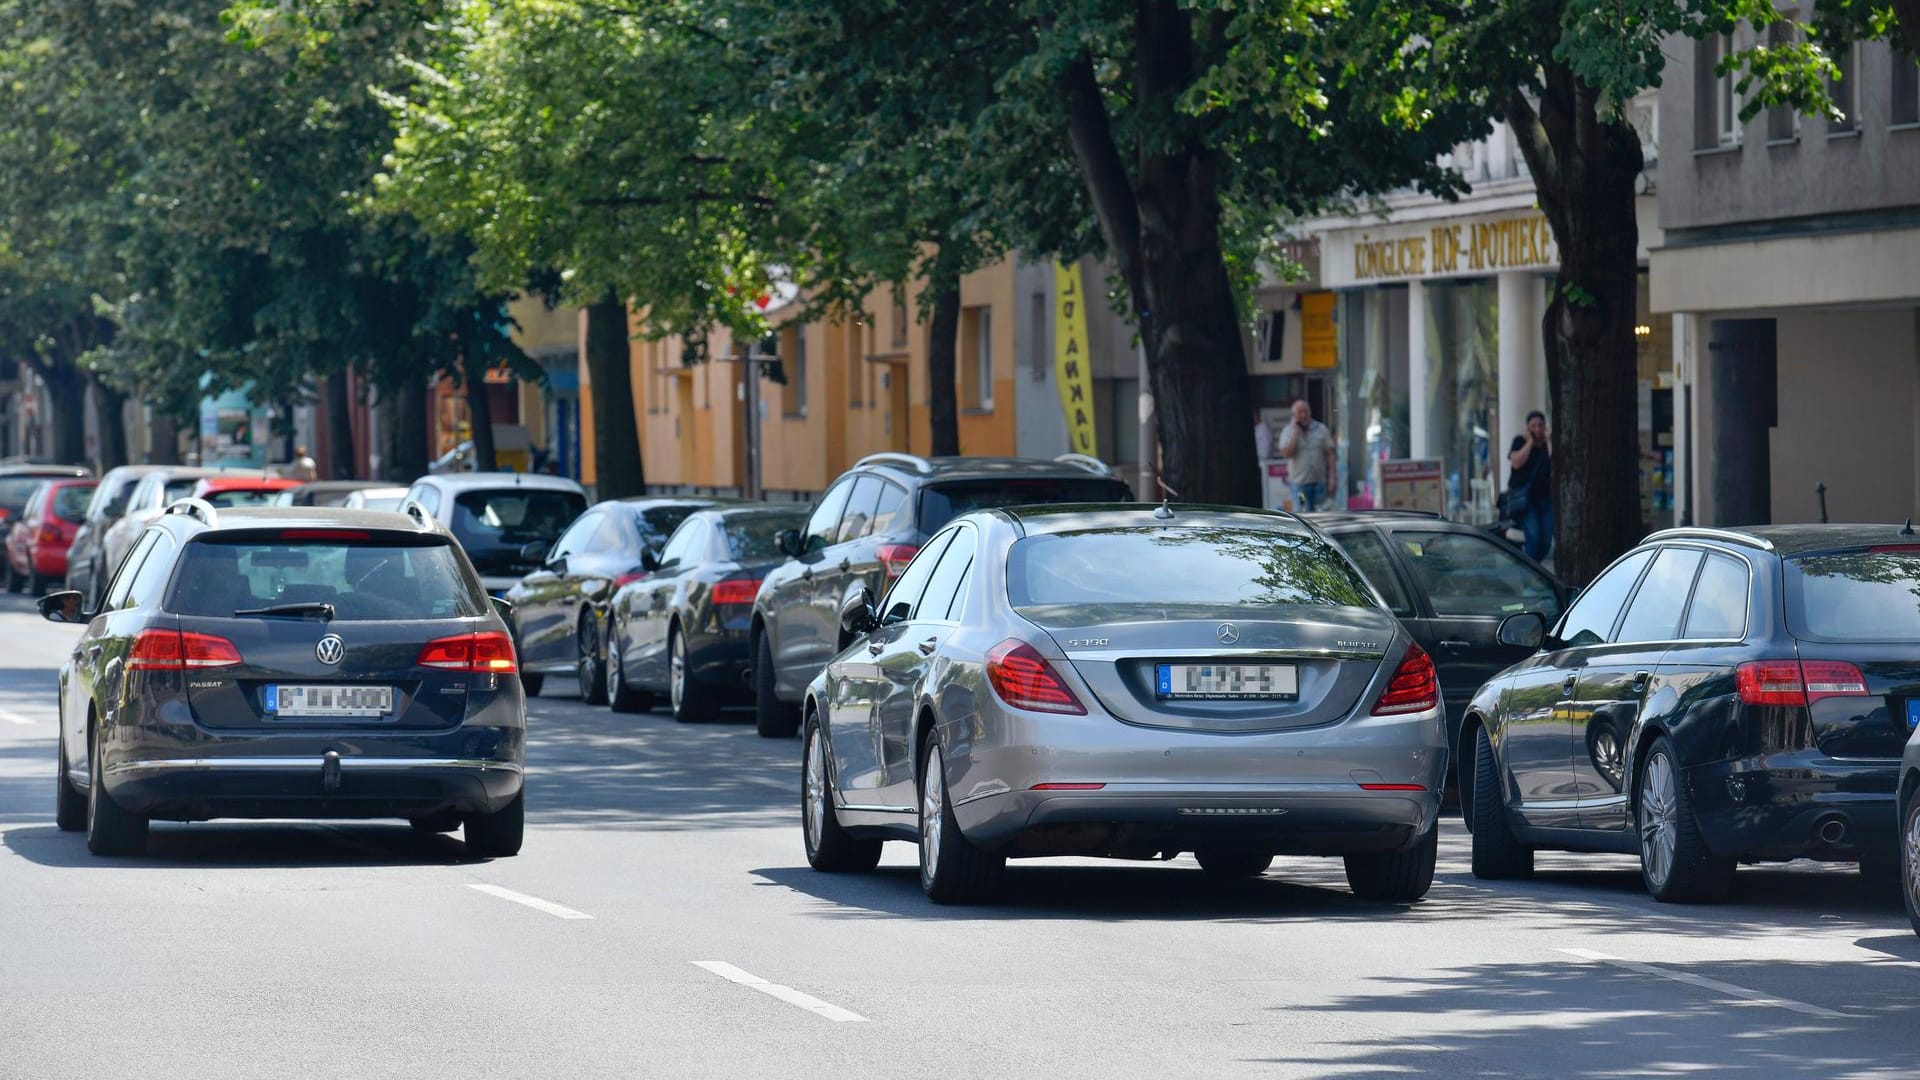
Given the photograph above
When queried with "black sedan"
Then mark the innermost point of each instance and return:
(681, 631)
(559, 610)
(1713, 698)
(1450, 585)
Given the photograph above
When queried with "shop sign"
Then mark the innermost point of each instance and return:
(1443, 249)
(1318, 340)
(1072, 371)
(1412, 484)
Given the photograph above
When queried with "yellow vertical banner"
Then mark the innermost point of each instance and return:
(1071, 367)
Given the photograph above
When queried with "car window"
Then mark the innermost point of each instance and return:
(1867, 595)
(1719, 608)
(825, 519)
(904, 598)
(1654, 614)
(175, 490)
(427, 497)
(17, 490)
(1590, 620)
(144, 591)
(110, 500)
(1370, 553)
(686, 545)
(944, 584)
(655, 523)
(609, 538)
(241, 497)
(31, 511)
(123, 581)
(508, 518)
(860, 504)
(70, 502)
(577, 537)
(886, 512)
(752, 537)
(941, 503)
(372, 578)
(1184, 565)
(1464, 574)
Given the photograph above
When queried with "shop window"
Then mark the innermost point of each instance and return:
(1716, 99)
(1842, 88)
(1906, 88)
(1783, 123)
(1461, 397)
(976, 359)
(793, 350)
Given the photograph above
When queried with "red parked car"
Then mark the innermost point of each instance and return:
(230, 491)
(36, 550)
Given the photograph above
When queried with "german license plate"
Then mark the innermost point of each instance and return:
(1228, 681)
(348, 701)
(1913, 713)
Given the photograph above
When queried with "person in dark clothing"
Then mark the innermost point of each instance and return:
(1530, 486)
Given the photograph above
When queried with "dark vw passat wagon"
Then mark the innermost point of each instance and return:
(1712, 698)
(290, 663)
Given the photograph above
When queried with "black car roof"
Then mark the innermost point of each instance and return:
(922, 469)
(746, 510)
(1791, 540)
(1082, 517)
(1426, 519)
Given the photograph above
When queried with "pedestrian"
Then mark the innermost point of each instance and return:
(1530, 485)
(1307, 446)
(1262, 435)
(303, 466)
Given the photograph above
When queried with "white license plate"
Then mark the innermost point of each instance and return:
(1227, 681)
(354, 701)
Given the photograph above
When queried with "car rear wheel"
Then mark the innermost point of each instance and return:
(1910, 861)
(952, 870)
(1496, 853)
(498, 834)
(693, 701)
(110, 829)
(36, 584)
(70, 806)
(1674, 860)
(593, 680)
(622, 697)
(1396, 877)
(772, 718)
(14, 583)
(829, 847)
(1233, 863)
(531, 684)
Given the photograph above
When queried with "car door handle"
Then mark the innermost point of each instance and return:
(1455, 644)
(1640, 682)
(1566, 684)
(874, 648)
(807, 574)
(926, 647)
(846, 565)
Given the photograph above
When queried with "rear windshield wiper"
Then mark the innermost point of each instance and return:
(309, 607)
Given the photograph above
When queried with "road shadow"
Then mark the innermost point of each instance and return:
(248, 845)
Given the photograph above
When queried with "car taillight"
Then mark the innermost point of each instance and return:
(621, 581)
(895, 557)
(1797, 682)
(177, 650)
(489, 652)
(1025, 680)
(1413, 688)
(735, 591)
(49, 534)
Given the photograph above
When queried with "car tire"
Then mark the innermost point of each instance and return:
(70, 805)
(693, 701)
(1236, 864)
(36, 584)
(1674, 860)
(830, 848)
(772, 718)
(498, 835)
(593, 680)
(1881, 876)
(111, 830)
(952, 869)
(1910, 860)
(14, 584)
(1497, 855)
(1396, 877)
(622, 697)
(531, 684)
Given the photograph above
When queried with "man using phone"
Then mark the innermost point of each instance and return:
(1307, 446)
(1530, 485)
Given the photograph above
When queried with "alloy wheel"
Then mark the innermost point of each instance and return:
(589, 650)
(815, 789)
(1911, 851)
(677, 672)
(614, 677)
(1657, 832)
(933, 804)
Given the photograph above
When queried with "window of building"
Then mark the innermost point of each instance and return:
(1783, 123)
(1843, 88)
(856, 363)
(1906, 88)
(976, 359)
(1716, 100)
(793, 350)
(900, 322)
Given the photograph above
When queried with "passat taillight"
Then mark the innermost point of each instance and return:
(735, 591)
(1025, 680)
(489, 652)
(178, 650)
(1413, 688)
(1797, 682)
(894, 558)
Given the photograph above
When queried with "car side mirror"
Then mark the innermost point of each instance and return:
(533, 551)
(1523, 630)
(788, 541)
(65, 606)
(857, 616)
(504, 606)
(649, 560)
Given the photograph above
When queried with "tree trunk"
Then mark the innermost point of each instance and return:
(1584, 169)
(473, 380)
(163, 438)
(67, 409)
(340, 456)
(616, 434)
(109, 407)
(1162, 225)
(403, 431)
(943, 347)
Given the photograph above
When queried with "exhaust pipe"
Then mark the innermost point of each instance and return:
(1832, 830)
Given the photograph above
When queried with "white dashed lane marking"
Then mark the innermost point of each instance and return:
(788, 994)
(16, 718)
(558, 911)
(1715, 985)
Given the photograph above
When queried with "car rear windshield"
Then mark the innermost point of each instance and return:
(751, 537)
(70, 502)
(376, 578)
(16, 490)
(241, 497)
(656, 523)
(1181, 566)
(509, 517)
(941, 503)
(1870, 595)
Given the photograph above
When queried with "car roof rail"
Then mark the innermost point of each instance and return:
(423, 521)
(195, 508)
(1085, 461)
(1696, 532)
(894, 457)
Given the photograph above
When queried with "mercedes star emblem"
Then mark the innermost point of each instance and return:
(1228, 633)
(330, 649)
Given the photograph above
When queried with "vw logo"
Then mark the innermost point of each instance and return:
(1228, 633)
(330, 649)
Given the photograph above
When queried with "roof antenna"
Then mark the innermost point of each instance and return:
(1163, 512)
(1907, 529)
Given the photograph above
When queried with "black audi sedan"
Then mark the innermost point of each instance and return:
(1714, 697)
(311, 663)
(679, 632)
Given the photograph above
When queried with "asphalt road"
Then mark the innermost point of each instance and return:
(662, 922)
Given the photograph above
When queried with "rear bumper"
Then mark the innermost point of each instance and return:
(50, 561)
(194, 789)
(721, 659)
(1774, 806)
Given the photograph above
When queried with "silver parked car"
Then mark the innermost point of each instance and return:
(1127, 682)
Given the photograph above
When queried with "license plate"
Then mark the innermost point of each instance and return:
(349, 701)
(1228, 681)
(1913, 713)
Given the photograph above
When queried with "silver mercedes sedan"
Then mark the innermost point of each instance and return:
(1128, 682)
